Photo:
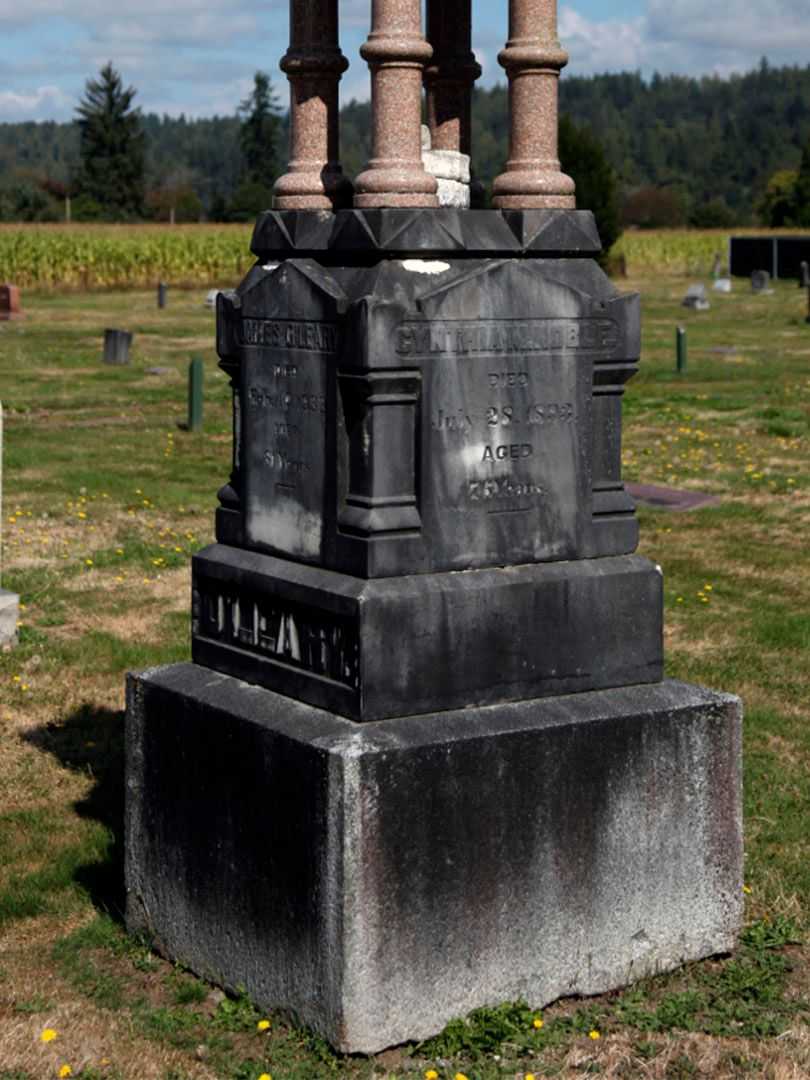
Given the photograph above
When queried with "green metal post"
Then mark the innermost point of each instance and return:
(195, 394)
(682, 349)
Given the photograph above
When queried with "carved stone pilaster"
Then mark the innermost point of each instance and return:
(229, 524)
(533, 60)
(381, 417)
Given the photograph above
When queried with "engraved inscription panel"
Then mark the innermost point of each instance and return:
(284, 400)
(506, 434)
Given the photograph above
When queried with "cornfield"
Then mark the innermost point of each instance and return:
(64, 257)
(680, 251)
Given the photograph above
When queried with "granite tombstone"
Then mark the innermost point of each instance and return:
(761, 282)
(9, 601)
(9, 303)
(696, 298)
(425, 726)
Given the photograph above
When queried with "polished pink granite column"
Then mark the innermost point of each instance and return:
(396, 52)
(314, 64)
(533, 59)
(451, 75)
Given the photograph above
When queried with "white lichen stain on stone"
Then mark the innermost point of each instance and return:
(422, 266)
(288, 527)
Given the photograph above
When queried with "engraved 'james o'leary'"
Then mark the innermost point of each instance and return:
(305, 336)
(504, 336)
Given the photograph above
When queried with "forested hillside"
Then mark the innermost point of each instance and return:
(695, 142)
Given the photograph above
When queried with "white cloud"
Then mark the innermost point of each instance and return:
(612, 45)
(689, 36)
(41, 103)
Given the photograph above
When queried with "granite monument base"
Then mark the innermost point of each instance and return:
(475, 638)
(9, 616)
(376, 880)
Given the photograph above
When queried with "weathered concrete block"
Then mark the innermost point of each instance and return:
(377, 880)
(9, 616)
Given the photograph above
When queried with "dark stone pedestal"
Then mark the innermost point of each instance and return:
(378, 879)
(425, 642)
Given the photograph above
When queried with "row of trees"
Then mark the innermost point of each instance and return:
(107, 169)
(671, 151)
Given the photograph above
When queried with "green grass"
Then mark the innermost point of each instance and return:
(106, 499)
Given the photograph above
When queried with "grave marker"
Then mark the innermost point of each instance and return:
(377, 765)
(761, 283)
(9, 602)
(116, 346)
(696, 298)
(9, 303)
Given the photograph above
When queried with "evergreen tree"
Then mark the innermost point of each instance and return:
(583, 159)
(259, 134)
(111, 147)
(802, 189)
(258, 140)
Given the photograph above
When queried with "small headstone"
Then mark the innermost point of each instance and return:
(761, 282)
(9, 303)
(162, 291)
(722, 285)
(116, 346)
(696, 298)
(9, 602)
(804, 275)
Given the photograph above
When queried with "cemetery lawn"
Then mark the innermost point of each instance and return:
(105, 500)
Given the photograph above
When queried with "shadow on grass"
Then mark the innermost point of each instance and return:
(90, 741)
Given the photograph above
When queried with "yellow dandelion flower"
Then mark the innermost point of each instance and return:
(65, 1071)
(48, 1035)
(460, 1076)
(747, 890)
(263, 1025)
(708, 588)
(119, 551)
(431, 1074)
(594, 1035)
(265, 1076)
(537, 1023)
(529, 1076)
(81, 514)
(88, 562)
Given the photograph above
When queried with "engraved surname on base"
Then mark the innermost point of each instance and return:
(298, 636)
(506, 336)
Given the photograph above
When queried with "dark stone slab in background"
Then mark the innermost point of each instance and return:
(665, 498)
(355, 875)
(401, 645)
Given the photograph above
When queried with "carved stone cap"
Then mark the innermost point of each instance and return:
(365, 236)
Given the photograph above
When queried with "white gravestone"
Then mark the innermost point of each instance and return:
(9, 602)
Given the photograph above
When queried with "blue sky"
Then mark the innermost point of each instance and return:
(198, 56)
